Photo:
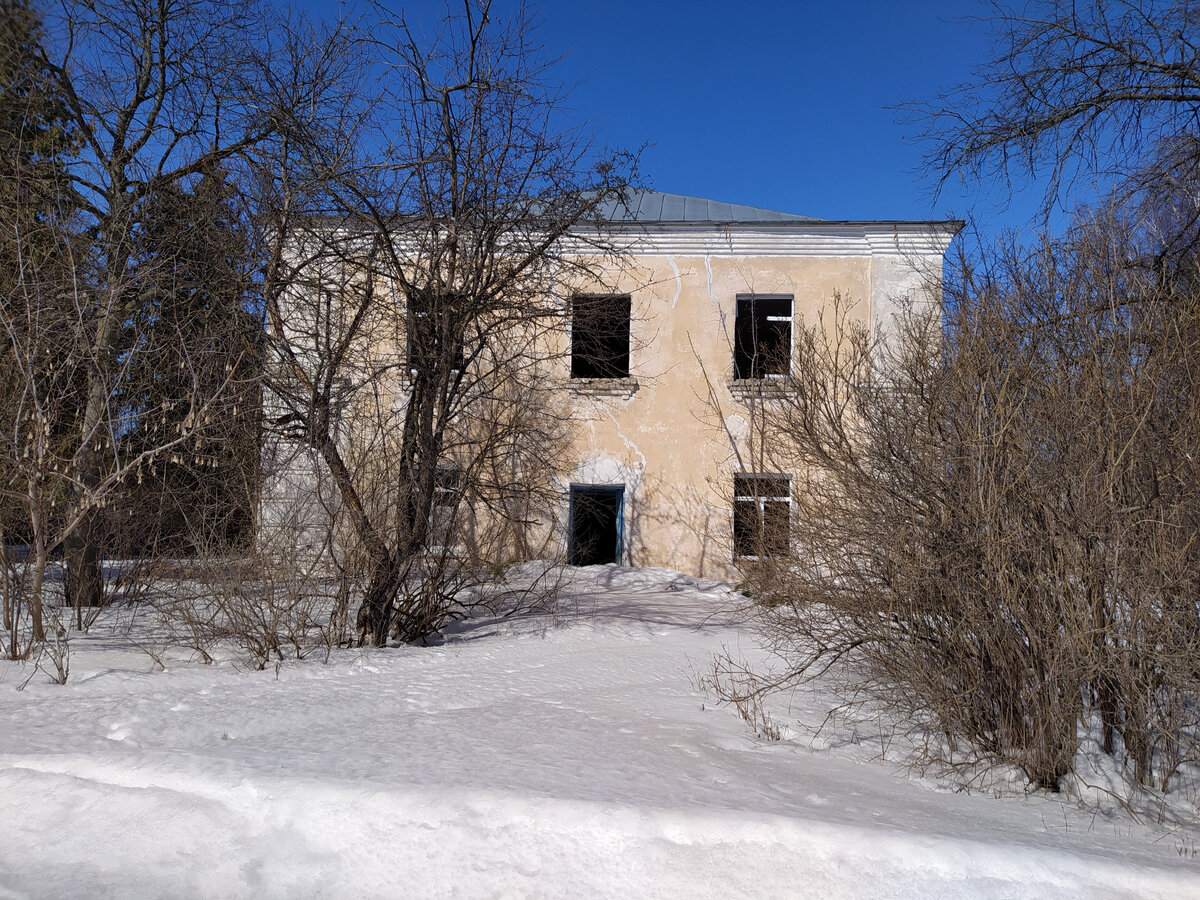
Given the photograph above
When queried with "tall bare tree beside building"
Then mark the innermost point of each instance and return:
(156, 94)
(420, 242)
(1073, 89)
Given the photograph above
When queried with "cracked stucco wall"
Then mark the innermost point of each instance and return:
(674, 442)
(672, 433)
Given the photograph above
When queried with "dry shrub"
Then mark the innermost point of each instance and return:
(995, 514)
(275, 600)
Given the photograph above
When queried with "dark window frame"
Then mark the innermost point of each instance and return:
(763, 336)
(600, 337)
(760, 499)
(414, 330)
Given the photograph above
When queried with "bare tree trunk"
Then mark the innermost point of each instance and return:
(37, 520)
(418, 296)
(84, 578)
(378, 610)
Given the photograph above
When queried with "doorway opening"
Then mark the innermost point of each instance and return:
(596, 517)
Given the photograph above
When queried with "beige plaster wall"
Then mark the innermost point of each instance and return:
(674, 443)
(674, 434)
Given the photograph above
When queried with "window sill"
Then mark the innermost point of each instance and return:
(746, 389)
(623, 388)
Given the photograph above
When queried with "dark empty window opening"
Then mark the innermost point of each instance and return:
(434, 342)
(600, 337)
(596, 514)
(762, 508)
(762, 337)
(447, 489)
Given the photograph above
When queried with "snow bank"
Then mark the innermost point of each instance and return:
(565, 755)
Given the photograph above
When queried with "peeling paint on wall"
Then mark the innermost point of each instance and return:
(676, 442)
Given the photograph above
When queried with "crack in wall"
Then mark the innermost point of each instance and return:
(629, 445)
(709, 288)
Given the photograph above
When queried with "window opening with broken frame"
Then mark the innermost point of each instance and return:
(427, 335)
(600, 336)
(447, 489)
(762, 346)
(762, 510)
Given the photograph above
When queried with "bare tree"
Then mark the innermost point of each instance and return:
(422, 243)
(126, 385)
(42, 391)
(419, 209)
(39, 258)
(157, 93)
(994, 528)
(1073, 88)
(997, 513)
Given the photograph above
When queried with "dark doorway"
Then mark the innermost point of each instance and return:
(595, 524)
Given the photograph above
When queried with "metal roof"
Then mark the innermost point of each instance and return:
(655, 206)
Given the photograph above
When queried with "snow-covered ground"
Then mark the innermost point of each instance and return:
(555, 756)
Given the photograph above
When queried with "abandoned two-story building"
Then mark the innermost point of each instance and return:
(667, 354)
(714, 296)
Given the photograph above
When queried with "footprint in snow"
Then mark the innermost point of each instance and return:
(119, 731)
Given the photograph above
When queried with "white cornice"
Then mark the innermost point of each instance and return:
(818, 239)
(785, 239)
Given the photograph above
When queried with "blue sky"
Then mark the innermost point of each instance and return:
(768, 103)
(773, 104)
